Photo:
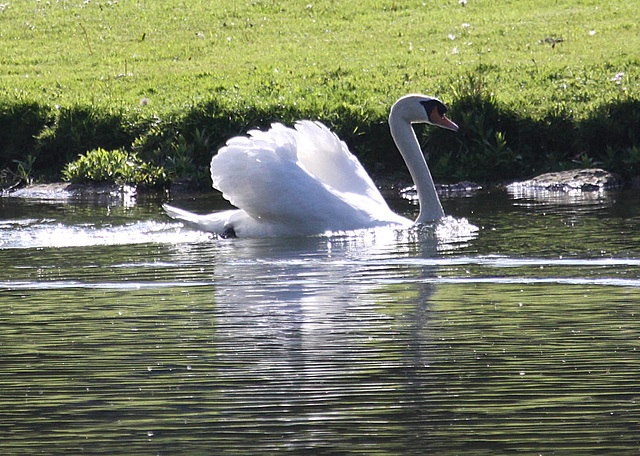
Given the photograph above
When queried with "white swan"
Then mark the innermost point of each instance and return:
(303, 180)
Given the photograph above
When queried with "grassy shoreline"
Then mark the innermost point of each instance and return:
(534, 86)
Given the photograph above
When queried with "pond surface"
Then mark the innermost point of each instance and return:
(124, 333)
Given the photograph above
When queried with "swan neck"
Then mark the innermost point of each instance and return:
(409, 147)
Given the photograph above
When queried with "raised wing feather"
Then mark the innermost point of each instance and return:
(327, 157)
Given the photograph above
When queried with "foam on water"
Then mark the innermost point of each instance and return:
(31, 233)
(450, 233)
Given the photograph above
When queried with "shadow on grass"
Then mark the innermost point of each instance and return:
(495, 142)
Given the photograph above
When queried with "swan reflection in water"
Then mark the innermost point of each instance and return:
(247, 343)
(311, 328)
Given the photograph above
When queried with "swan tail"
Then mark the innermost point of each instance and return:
(218, 222)
(180, 214)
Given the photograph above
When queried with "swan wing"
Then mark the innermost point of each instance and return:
(262, 174)
(327, 157)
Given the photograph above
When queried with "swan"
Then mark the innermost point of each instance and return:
(304, 181)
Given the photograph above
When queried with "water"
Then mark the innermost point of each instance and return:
(124, 333)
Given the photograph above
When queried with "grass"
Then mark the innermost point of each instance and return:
(535, 85)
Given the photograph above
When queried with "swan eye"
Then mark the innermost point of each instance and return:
(430, 105)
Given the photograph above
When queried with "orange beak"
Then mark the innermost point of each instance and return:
(442, 121)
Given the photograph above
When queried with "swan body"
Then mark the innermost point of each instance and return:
(304, 181)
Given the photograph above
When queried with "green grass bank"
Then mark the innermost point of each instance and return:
(534, 85)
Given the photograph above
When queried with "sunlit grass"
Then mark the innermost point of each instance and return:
(174, 53)
(319, 59)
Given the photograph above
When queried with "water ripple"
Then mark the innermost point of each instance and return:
(490, 261)
(142, 337)
(311, 283)
(53, 285)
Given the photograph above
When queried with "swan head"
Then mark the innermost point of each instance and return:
(416, 108)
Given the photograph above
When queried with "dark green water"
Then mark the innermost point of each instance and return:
(123, 333)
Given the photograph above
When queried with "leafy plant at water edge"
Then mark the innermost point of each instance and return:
(100, 165)
(180, 163)
(23, 174)
(24, 169)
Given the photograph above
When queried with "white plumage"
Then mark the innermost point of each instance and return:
(296, 181)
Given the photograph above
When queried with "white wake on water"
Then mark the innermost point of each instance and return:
(22, 234)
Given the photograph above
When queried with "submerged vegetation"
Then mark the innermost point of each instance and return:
(535, 86)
